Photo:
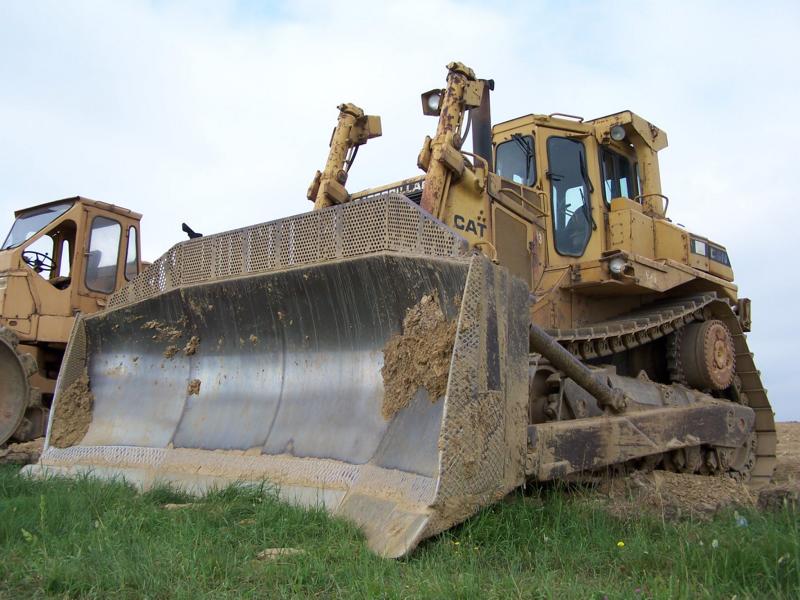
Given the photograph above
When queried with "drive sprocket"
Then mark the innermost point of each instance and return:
(702, 356)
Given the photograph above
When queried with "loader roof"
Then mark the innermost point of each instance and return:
(87, 201)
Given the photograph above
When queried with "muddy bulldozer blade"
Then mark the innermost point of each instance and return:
(312, 376)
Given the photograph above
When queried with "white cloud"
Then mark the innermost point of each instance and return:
(218, 113)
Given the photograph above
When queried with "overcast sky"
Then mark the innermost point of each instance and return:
(218, 113)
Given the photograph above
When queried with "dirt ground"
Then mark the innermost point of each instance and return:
(788, 470)
(675, 495)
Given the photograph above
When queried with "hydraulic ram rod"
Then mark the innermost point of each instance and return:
(561, 358)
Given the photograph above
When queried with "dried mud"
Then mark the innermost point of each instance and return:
(164, 332)
(193, 389)
(22, 453)
(275, 553)
(419, 357)
(73, 413)
(191, 346)
(173, 506)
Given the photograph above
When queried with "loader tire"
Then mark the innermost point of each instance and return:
(16, 393)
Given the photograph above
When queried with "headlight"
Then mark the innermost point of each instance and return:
(617, 265)
(431, 102)
(617, 133)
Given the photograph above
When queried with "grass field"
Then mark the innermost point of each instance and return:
(61, 538)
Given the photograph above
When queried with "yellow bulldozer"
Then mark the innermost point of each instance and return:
(59, 259)
(408, 354)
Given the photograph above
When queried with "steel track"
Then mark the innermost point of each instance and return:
(662, 318)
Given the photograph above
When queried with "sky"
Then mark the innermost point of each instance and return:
(218, 113)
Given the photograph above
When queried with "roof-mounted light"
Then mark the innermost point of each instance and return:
(617, 133)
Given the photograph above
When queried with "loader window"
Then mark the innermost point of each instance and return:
(515, 160)
(50, 254)
(39, 255)
(132, 258)
(32, 221)
(64, 236)
(101, 263)
(569, 192)
(617, 179)
(65, 262)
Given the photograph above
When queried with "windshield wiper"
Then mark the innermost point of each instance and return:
(588, 182)
(527, 147)
(587, 210)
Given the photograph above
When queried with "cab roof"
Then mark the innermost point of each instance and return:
(88, 202)
(649, 133)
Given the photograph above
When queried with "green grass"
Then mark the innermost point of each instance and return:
(92, 539)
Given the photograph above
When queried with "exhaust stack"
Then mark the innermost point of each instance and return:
(482, 125)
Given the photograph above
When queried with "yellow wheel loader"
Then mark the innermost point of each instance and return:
(59, 259)
(409, 354)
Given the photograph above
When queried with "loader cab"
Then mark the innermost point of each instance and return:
(49, 253)
(61, 258)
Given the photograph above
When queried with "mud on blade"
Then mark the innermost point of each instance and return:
(277, 376)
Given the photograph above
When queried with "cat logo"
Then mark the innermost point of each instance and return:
(469, 225)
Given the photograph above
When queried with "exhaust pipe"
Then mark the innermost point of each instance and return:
(482, 126)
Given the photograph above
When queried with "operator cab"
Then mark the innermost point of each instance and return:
(49, 255)
(46, 238)
(559, 158)
(599, 185)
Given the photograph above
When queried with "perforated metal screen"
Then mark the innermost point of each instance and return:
(391, 222)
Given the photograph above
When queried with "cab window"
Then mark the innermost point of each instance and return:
(39, 255)
(32, 221)
(569, 193)
(618, 181)
(50, 255)
(65, 262)
(132, 257)
(515, 160)
(101, 263)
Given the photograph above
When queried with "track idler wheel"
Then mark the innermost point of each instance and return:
(15, 390)
(684, 460)
(706, 355)
(739, 462)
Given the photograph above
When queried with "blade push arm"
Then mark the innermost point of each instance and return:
(353, 129)
(441, 157)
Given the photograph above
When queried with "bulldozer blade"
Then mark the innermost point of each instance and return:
(277, 377)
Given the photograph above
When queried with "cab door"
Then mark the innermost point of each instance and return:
(517, 209)
(574, 225)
